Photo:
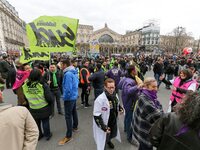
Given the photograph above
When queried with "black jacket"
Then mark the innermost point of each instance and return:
(97, 79)
(4, 68)
(170, 69)
(158, 68)
(59, 77)
(163, 135)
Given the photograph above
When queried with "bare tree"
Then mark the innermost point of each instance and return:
(177, 40)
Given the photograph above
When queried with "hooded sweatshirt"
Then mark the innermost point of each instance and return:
(70, 84)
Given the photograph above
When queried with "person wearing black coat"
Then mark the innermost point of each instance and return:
(54, 79)
(97, 80)
(179, 130)
(169, 72)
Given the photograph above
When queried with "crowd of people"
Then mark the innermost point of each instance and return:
(40, 85)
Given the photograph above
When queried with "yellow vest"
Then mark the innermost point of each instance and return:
(35, 95)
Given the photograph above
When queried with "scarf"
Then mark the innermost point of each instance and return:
(153, 96)
(55, 83)
(110, 97)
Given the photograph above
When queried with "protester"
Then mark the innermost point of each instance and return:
(17, 127)
(97, 80)
(70, 95)
(106, 108)
(85, 84)
(181, 85)
(40, 101)
(5, 67)
(170, 72)
(179, 130)
(22, 74)
(158, 70)
(147, 110)
(129, 88)
(115, 74)
(54, 79)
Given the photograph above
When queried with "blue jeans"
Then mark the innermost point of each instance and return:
(157, 77)
(56, 96)
(127, 124)
(45, 126)
(71, 117)
(97, 92)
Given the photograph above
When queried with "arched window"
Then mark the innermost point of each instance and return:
(106, 39)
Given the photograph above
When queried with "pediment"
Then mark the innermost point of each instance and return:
(106, 30)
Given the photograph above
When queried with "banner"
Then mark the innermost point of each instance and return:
(94, 47)
(27, 55)
(52, 34)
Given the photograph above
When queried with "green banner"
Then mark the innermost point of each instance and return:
(27, 55)
(52, 34)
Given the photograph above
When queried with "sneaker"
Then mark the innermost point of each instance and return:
(111, 145)
(133, 142)
(64, 140)
(87, 105)
(82, 103)
(75, 129)
(49, 137)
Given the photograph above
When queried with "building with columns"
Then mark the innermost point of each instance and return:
(150, 35)
(108, 41)
(12, 29)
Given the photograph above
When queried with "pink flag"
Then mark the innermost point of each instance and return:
(21, 76)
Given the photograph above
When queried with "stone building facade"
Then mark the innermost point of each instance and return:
(12, 29)
(150, 35)
(108, 41)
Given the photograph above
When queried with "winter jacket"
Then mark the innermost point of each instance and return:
(144, 117)
(18, 128)
(129, 92)
(164, 136)
(115, 74)
(97, 79)
(158, 68)
(70, 84)
(58, 77)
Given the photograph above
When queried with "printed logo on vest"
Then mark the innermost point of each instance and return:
(104, 109)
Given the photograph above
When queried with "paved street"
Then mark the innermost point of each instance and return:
(83, 140)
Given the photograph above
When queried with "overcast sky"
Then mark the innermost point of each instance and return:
(120, 15)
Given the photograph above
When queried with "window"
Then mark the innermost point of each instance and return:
(106, 39)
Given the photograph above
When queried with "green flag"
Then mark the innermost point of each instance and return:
(27, 55)
(52, 34)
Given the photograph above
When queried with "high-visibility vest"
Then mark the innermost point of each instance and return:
(87, 76)
(35, 95)
(1, 85)
(176, 95)
(104, 68)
